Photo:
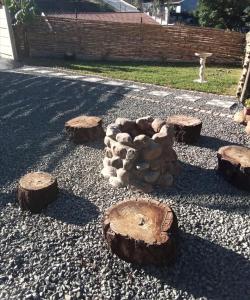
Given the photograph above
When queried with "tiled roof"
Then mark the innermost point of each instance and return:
(110, 17)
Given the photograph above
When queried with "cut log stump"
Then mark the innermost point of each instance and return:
(36, 190)
(239, 117)
(84, 128)
(247, 129)
(187, 128)
(141, 231)
(234, 165)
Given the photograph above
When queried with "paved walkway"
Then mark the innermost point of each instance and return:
(216, 105)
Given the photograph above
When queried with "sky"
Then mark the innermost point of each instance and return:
(189, 5)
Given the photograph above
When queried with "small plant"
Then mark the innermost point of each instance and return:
(22, 11)
(247, 107)
(247, 103)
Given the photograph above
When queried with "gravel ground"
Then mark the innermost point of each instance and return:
(60, 254)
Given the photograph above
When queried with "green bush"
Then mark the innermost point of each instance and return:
(247, 103)
(22, 11)
(224, 14)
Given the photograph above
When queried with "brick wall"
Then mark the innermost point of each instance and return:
(119, 41)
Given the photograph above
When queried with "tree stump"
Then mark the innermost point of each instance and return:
(36, 190)
(234, 165)
(187, 128)
(141, 231)
(84, 128)
(239, 117)
(247, 129)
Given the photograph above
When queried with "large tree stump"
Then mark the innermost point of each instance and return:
(36, 190)
(241, 118)
(141, 231)
(187, 128)
(84, 128)
(234, 165)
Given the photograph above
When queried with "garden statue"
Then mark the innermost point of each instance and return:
(203, 56)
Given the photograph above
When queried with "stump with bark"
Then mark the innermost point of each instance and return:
(234, 165)
(247, 129)
(141, 231)
(187, 128)
(36, 190)
(84, 128)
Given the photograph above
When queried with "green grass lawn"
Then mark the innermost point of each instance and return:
(221, 79)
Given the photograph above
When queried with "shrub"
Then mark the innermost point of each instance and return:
(22, 11)
(247, 103)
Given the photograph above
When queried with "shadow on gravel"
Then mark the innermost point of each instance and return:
(8, 198)
(204, 187)
(205, 269)
(33, 110)
(92, 144)
(72, 209)
(213, 143)
(8, 64)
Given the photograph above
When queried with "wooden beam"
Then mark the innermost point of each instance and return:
(246, 87)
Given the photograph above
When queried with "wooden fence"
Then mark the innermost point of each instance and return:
(54, 37)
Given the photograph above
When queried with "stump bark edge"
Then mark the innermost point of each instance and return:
(184, 132)
(83, 129)
(138, 251)
(231, 168)
(35, 200)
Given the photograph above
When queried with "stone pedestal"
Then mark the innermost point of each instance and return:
(203, 57)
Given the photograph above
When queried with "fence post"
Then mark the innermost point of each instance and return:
(141, 39)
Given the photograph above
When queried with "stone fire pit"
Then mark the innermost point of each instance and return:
(140, 154)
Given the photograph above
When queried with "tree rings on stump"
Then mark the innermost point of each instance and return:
(141, 231)
(84, 128)
(234, 165)
(187, 128)
(36, 190)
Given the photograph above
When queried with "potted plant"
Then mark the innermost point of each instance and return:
(247, 107)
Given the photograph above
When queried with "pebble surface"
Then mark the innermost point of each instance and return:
(60, 254)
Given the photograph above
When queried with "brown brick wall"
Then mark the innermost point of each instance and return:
(119, 41)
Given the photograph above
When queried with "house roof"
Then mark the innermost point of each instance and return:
(117, 17)
(66, 6)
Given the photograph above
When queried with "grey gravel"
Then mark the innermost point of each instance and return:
(60, 254)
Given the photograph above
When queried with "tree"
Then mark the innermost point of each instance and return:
(226, 14)
(164, 7)
(246, 17)
(22, 11)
